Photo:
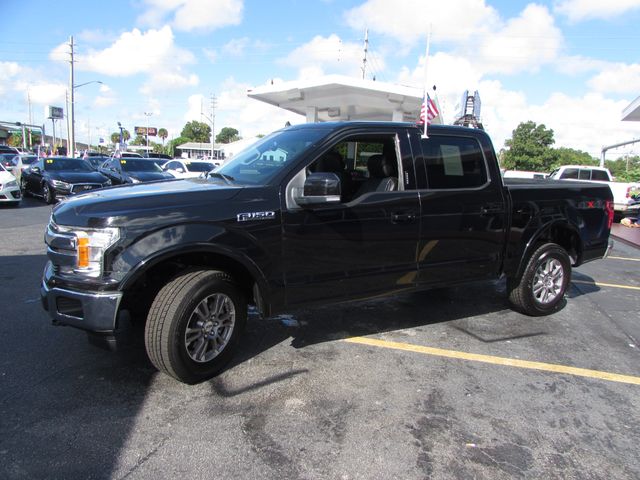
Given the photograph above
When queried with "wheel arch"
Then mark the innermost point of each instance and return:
(559, 232)
(145, 280)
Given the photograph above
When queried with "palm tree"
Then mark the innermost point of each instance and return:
(126, 135)
(115, 138)
(163, 134)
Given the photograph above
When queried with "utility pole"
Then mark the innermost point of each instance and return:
(72, 134)
(366, 48)
(213, 118)
(30, 122)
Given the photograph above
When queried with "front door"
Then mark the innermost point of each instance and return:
(363, 246)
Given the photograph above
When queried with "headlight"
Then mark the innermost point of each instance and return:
(61, 184)
(90, 245)
(10, 184)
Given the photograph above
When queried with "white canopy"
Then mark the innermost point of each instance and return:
(336, 97)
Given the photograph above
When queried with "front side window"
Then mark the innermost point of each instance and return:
(451, 163)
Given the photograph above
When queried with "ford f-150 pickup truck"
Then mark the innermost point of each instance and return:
(313, 213)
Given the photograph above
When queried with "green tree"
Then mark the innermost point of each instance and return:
(163, 134)
(115, 138)
(139, 140)
(171, 146)
(196, 132)
(529, 148)
(569, 156)
(227, 135)
(625, 169)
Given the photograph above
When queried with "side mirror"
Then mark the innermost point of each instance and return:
(320, 188)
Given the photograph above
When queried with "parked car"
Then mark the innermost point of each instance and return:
(8, 149)
(132, 170)
(7, 160)
(159, 156)
(55, 177)
(188, 168)
(284, 225)
(96, 161)
(9, 188)
(21, 163)
(623, 193)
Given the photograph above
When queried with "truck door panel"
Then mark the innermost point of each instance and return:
(463, 212)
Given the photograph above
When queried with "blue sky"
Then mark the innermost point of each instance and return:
(570, 64)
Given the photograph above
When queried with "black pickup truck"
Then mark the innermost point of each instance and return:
(313, 213)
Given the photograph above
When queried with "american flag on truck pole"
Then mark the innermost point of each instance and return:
(428, 111)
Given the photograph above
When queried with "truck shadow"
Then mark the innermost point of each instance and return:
(481, 311)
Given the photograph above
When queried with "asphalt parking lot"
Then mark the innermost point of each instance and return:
(446, 384)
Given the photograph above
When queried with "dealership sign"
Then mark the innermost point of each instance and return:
(153, 131)
(53, 112)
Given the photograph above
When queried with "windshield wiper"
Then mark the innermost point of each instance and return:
(226, 178)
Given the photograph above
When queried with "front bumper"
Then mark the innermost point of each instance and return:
(11, 195)
(91, 311)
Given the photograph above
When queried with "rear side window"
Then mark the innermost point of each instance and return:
(599, 175)
(451, 162)
(570, 173)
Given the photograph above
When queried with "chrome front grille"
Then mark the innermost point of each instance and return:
(84, 187)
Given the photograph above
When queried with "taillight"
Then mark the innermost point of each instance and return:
(628, 194)
(608, 206)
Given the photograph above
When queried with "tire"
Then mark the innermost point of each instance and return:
(23, 187)
(189, 315)
(541, 288)
(48, 196)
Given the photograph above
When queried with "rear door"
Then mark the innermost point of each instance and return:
(463, 210)
(364, 245)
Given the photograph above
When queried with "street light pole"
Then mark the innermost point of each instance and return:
(147, 114)
(72, 134)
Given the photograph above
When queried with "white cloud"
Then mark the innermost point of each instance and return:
(236, 46)
(329, 54)
(578, 10)
(188, 15)
(133, 53)
(523, 44)
(577, 64)
(617, 78)
(409, 20)
(166, 81)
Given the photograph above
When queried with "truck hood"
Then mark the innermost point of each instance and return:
(156, 201)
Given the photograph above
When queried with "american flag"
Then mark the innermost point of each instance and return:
(428, 110)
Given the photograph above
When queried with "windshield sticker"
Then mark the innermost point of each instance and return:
(247, 217)
(123, 162)
(49, 161)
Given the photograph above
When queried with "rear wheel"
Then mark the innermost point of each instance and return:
(194, 325)
(541, 288)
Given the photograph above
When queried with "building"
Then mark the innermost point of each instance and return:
(197, 150)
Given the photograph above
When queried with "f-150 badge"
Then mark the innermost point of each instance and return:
(247, 217)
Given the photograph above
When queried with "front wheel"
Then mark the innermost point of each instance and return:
(47, 194)
(23, 187)
(541, 288)
(194, 325)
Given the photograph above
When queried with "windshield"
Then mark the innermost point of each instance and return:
(262, 161)
(134, 165)
(7, 159)
(199, 166)
(67, 164)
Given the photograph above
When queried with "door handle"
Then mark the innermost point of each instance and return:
(404, 217)
(491, 208)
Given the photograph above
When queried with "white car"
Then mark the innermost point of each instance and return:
(624, 202)
(188, 168)
(9, 188)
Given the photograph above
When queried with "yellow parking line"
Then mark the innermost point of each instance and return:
(510, 362)
(625, 258)
(600, 284)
